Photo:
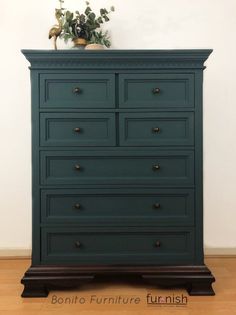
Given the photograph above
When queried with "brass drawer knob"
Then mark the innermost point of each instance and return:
(156, 205)
(77, 129)
(156, 129)
(158, 244)
(77, 90)
(156, 91)
(77, 206)
(156, 167)
(77, 244)
(77, 167)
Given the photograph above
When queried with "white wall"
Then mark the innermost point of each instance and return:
(135, 24)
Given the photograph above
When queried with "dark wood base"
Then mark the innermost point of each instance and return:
(39, 280)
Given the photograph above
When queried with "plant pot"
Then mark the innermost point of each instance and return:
(95, 46)
(79, 43)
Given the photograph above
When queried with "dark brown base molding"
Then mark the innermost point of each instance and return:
(39, 280)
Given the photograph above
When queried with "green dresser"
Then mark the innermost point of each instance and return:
(117, 168)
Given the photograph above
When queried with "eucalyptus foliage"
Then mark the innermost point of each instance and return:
(86, 25)
(100, 38)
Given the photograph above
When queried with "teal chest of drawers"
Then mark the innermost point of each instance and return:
(117, 168)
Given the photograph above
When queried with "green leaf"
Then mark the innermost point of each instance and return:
(88, 10)
(92, 16)
(106, 18)
(70, 31)
(112, 8)
(69, 16)
(82, 18)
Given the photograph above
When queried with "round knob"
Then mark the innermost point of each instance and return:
(77, 244)
(76, 90)
(156, 129)
(77, 129)
(77, 167)
(157, 205)
(77, 206)
(156, 167)
(156, 91)
(157, 243)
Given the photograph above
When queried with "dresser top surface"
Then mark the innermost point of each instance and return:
(120, 58)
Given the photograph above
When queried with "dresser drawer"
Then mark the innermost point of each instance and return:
(156, 90)
(106, 167)
(77, 90)
(151, 129)
(83, 129)
(89, 246)
(132, 206)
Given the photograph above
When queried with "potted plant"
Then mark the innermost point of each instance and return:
(82, 28)
(98, 40)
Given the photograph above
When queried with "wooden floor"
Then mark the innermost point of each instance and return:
(224, 302)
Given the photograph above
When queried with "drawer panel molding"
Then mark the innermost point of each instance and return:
(73, 129)
(154, 129)
(76, 245)
(105, 167)
(156, 90)
(138, 206)
(80, 90)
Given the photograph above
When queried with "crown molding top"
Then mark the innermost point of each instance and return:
(119, 59)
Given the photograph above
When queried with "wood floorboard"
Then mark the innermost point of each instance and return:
(11, 303)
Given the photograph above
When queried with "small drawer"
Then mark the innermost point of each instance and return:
(77, 90)
(156, 90)
(120, 167)
(116, 206)
(153, 129)
(75, 129)
(88, 246)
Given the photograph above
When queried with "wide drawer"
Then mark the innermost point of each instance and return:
(133, 206)
(123, 167)
(88, 246)
(76, 90)
(156, 90)
(73, 129)
(152, 129)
